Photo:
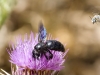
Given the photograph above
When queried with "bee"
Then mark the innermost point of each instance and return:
(96, 14)
(95, 19)
(44, 47)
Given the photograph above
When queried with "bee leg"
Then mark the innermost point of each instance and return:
(35, 54)
(48, 55)
(51, 55)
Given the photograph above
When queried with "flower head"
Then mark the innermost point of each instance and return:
(21, 55)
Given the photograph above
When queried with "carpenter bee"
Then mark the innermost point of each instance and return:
(44, 47)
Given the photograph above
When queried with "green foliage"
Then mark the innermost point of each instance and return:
(5, 8)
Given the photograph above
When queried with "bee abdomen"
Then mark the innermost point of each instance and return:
(55, 45)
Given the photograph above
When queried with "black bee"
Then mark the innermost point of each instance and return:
(44, 46)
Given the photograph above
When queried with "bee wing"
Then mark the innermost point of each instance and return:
(42, 33)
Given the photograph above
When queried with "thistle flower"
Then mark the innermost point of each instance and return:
(21, 56)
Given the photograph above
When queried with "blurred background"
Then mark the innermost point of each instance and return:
(67, 20)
